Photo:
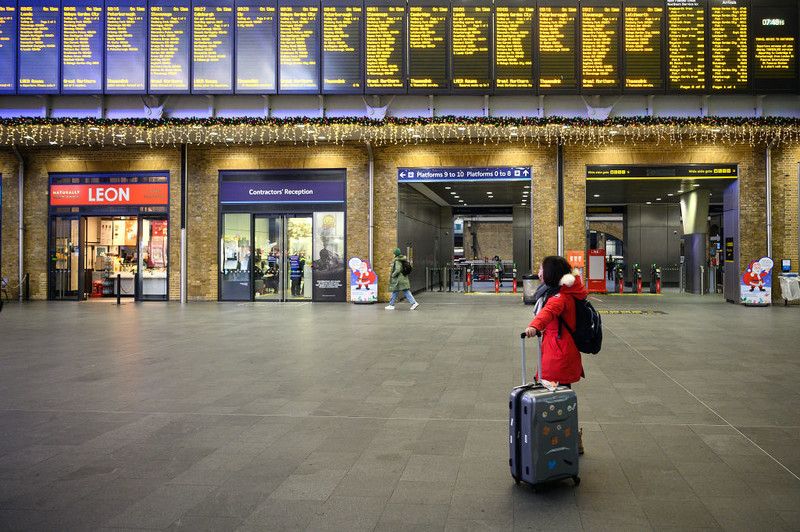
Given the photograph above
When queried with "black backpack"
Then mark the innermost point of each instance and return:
(405, 267)
(588, 333)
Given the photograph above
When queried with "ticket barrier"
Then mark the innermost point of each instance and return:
(655, 280)
(636, 286)
(619, 278)
(514, 280)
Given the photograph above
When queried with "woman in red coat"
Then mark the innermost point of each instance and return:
(561, 360)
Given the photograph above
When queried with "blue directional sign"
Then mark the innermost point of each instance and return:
(445, 173)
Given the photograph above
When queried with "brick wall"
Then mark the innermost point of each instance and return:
(785, 205)
(494, 238)
(9, 228)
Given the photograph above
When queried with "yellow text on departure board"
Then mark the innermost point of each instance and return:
(557, 46)
(166, 35)
(687, 53)
(775, 55)
(643, 47)
(513, 51)
(471, 47)
(384, 40)
(729, 48)
(600, 65)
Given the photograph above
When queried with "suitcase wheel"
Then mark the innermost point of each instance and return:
(576, 479)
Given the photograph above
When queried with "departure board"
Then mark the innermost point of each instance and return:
(298, 46)
(342, 47)
(385, 44)
(686, 55)
(39, 46)
(82, 46)
(8, 46)
(600, 35)
(471, 46)
(169, 46)
(126, 46)
(256, 54)
(774, 32)
(558, 40)
(212, 46)
(729, 39)
(428, 49)
(513, 49)
(644, 46)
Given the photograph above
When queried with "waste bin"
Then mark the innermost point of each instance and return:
(790, 287)
(529, 284)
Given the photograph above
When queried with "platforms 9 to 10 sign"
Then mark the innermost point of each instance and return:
(398, 46)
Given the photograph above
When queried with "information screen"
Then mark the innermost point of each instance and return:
(729, 39)
(82, 46)
(600, 35)
(428, 28)
(256, 53)
(126, 46)
(8, 46)
(471, 49)
(385, 45)
(169, 46)
(774, 32)
(514, 68)
(686, 28)
(298, 47)
(558, 44)
(212, 46)
(342, 47)
(39, 46)
(644, 46)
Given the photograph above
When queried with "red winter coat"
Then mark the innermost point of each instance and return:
(561, 360)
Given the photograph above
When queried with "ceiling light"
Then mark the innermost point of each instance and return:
(52, 142)
(695, 184)
(680, 192)
(461, 201)
(658, 199)
(649, 203)
(527, 186)
(670, 194)
(456, 197)
(453, 193)
(447, 188)
(321, 137)
(139, 141)
(489, 193)
(229, 139)
(597, 195)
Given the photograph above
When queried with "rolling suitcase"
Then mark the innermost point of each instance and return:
(543, 430)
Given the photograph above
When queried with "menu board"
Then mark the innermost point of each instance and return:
(729, 39)
(513, 48)
(428, 28)
(600, 34)
(212, 46)
(169, 46)
(82, 46)
(256, 57)
(39, 46)
(644, 46)
(8, 46)
(774, 32)
(385, 44)
(558, 44)
(686, 30)
(126, 46)
(342, 47)
(298, 46)
(471, 46)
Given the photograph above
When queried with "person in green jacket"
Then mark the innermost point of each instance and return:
(399, 282)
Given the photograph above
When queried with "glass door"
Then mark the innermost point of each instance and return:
(65, 270)
(268, 278)
(282, 269)
(234, 255)
(153, 259)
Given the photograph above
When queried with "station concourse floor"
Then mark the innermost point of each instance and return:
(335, 416)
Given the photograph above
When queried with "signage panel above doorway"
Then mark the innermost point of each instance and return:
(490, 173)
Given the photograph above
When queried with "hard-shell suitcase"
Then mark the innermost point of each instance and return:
(543, 431)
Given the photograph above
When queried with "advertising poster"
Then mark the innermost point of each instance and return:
(756, 286)
(329, 264)
(118, 235)
(130, 233)
(106, 232)
(363, 282)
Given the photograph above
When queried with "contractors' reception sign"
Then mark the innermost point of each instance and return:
(109, 194)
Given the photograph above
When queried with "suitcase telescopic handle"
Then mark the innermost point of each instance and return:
(539, 366)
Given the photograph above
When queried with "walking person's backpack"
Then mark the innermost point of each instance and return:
(588, 333)
(405, 267)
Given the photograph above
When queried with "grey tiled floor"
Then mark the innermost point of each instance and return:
(224, 416)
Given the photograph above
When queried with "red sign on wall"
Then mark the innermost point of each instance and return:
(110, 194)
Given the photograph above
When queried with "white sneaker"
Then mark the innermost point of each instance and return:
(389, 307)
(415, 305)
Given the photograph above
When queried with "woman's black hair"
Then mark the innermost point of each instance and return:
(554, 268)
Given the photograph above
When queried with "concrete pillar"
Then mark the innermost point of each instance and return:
(694, 212)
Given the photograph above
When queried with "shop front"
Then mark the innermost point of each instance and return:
(282, 235)
(108, 235)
